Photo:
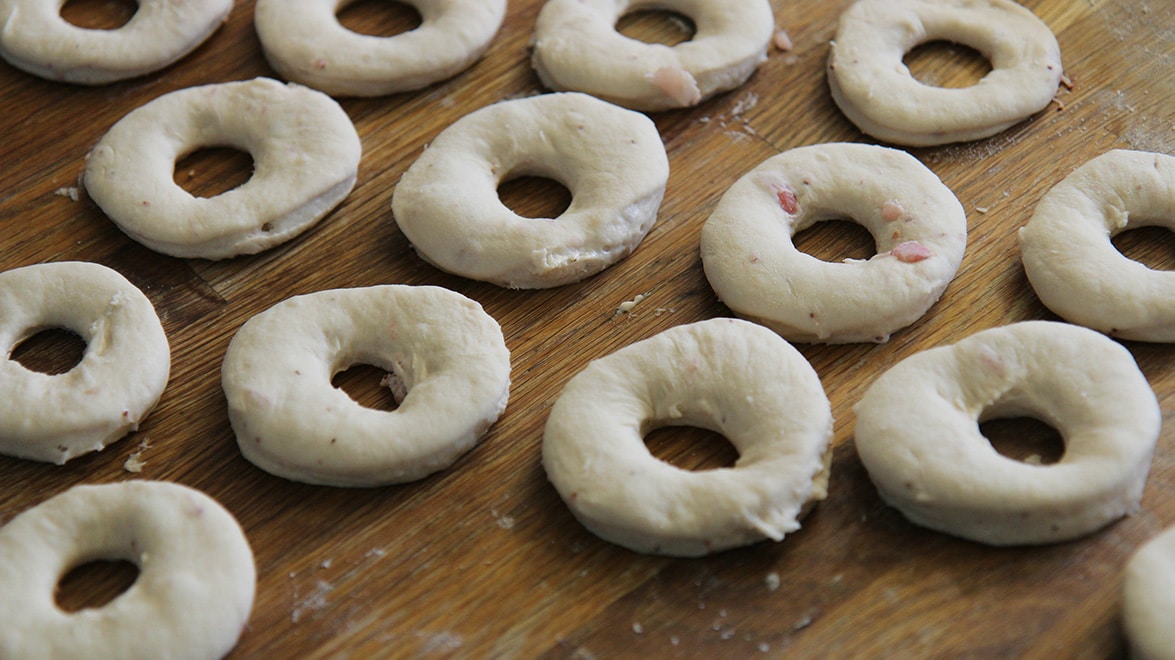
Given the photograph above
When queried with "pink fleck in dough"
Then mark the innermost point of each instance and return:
(891, 210)
(782, 40)
(677, 84)
(911, 252)
(787, 200)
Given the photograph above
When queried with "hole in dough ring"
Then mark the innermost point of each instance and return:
(1073, 265)
(308, 45)
(876, 91)
(917, 223)
(1148, 598)
(36, 39)
(292, 422)
(917, 434)
(577, 48)
(305, 159)
(118, 381)
(612, 161)
(195, 585)
(726, 375)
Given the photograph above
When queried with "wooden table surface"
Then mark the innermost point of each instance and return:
(484, 559)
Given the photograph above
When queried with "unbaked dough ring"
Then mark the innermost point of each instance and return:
(1073, 265)
(36, 39)
(611, 159)
(191, 599)
(305, 158)
(307, 44)
(1148, 598)
(120, 378)
(577, 48)
(876, 91)
(727, 375)
(918, 225)
(917, 434)
(290, 421)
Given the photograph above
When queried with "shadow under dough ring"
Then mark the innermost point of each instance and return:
(305, 159)
(448, 355)
(1148, 598)
(192, 596)
(577, 48)
(612, 160)
(1071, 260)
(726, 375)
(118, 381)
(875, 90)
(917, 223)
(918, 435)
(35, 38)
(305, 43)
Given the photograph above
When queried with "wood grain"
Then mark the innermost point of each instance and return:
(484, 559)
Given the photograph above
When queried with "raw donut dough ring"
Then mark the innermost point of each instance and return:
(305, 159)
(118, 381)
(919, 227)
(1148, 598)
(577, 48)
(917, 434)
(309, 45)
(727, 375)
(1074, 267)
(36, 39)
(875, 90)
(192, 597)
(291, 422)
(611, 159)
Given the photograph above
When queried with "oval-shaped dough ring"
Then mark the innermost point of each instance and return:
(917, 223)
(290, 421)
(730, 376)
(611, 159)
(1148, 598)
(577, 48)
(191, 599)
(305, 158)
(917, 434)
(876, 91)
(118, 381)
(35, 38)
(307, 44)
(1073, 265)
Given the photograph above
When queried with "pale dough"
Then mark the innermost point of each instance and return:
(917, 434)
(1073, 265)
(305, 160)
(445, 351)
(730, 376)
(120, 378)
(191, 599)
(917, 223)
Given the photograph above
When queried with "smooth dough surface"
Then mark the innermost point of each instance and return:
(917, 433)
(192, 596)
(118, 381)
(875, 90)
(1073, 265)
(577, 48)
(304, 42)
(35, 38)
(917, 224)
(446, 352)
(612, 161)
(726, 375)
(305, 160)
(1148, 599)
